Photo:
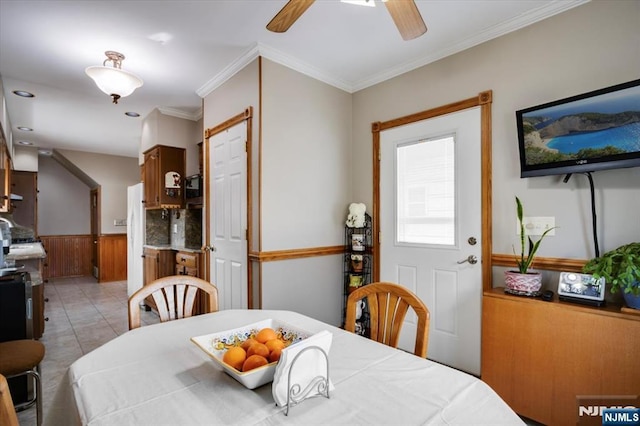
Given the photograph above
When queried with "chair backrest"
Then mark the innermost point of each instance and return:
(388, 305)
(174, 296)
(8, 414)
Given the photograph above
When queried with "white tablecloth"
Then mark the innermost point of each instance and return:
(155, 375)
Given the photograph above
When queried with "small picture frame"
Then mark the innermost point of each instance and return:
(357, 242)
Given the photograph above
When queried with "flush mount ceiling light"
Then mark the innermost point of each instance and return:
(112, 80)
(23, 93)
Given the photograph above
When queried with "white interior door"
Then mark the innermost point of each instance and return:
(430, 222)
(227, 162)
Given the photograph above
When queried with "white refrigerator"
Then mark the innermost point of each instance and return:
(135, 238)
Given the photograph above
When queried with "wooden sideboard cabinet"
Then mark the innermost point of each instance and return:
(158, 263)
(540, 356)
(158, 162)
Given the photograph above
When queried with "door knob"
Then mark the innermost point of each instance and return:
(209, 248)
(471, 259)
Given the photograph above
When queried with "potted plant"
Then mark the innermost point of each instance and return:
(524, 282)
(621, 269)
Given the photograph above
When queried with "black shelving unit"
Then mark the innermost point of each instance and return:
(358, 246)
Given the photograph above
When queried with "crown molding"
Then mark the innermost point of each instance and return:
(490, 33)
(260, 49)
(229, 71)
(175, 112)
(302, 67)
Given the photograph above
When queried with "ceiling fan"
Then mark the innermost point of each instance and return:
(405, 15)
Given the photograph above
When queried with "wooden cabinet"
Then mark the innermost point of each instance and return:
(37, 294)
(164, 173)
(540, 356)
(25, 211)
(158, 263)
(5, 175)
(190, 263)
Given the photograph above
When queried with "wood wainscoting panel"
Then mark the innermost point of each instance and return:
(67, 255)
(112, 257)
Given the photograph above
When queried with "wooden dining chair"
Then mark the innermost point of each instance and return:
(8, 414)
(174, 297)
(388, 305)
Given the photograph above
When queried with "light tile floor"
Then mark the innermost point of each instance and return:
(82, 316)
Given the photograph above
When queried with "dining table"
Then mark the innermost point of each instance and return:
(156, 375)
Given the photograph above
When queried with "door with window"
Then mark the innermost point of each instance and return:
(430, 224)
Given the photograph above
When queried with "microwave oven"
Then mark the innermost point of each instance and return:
(193, 186)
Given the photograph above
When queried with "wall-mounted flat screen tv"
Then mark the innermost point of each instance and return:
(594, 131)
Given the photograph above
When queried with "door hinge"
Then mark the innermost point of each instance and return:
(246, 234)
(379, 237)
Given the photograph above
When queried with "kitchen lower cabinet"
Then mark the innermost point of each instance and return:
(190, 263)
(158, 263)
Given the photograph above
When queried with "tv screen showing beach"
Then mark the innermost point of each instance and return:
(588, 132)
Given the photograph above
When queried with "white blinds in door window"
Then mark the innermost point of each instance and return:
(425, 191)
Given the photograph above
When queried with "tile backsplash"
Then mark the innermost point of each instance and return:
(176, 227)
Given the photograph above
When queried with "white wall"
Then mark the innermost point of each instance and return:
(306, 154)
(306, 157)
(592, 46)
(63, 201)
(114, 174)
(25, 159)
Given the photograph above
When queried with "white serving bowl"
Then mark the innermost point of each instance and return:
(216, 344)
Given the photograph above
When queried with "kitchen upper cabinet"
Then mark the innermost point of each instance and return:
(164, 170)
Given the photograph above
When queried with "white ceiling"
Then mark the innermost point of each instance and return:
(45, 47)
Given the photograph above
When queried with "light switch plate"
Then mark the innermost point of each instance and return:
(537, 225)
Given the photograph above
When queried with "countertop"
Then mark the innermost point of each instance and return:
(26, 251)
(170, 247)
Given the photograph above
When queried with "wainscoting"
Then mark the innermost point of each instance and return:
(71, 256)
(67, 255)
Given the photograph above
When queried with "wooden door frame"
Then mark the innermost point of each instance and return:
(482, 100)
(246, 115)
(95, 230)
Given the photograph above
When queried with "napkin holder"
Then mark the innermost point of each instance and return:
(319, 385)
(303, 371)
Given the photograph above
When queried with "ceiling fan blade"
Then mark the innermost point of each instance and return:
(288, 15)
(407, 18)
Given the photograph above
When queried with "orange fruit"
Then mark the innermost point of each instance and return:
(235, 357)
(274, 356)
(274, 344)
(254, 361)
(258, 349)
(266, 334)
(247, 343)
